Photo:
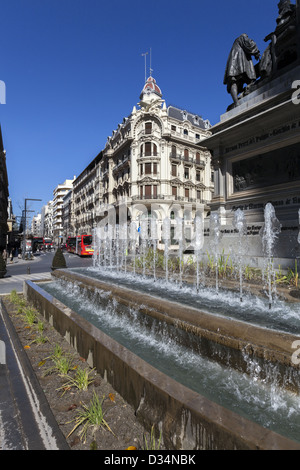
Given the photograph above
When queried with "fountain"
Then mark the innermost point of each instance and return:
(198, 243)
(240, 225)
(124, 244)
(215, 235)
(154, 238)
(179, 238)
(269, 234)
(229, 356)
(166, 230)
(133, 238)
(144, 237)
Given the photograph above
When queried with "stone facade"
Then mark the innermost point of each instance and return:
(58, 195)
(4, 193)
(151, 166)
(85, 199)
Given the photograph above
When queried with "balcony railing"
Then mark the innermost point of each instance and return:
(182, 158)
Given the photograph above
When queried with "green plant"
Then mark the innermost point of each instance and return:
(57, 353)
(17, 300)
(293, 276)
(13, 297)
(152, 444)
(62, 365)
(210, 263)
(280, 277)
(222, 264)
(91, 416)
(81, 380)
(40, 327)
(2, 266)
(39, 339)
(30, 316)
(248, 273)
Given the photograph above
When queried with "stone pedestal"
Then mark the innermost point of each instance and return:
(256, 158)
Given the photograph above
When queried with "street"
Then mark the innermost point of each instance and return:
(39, 268)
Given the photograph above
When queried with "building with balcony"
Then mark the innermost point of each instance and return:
(4, 193)
(154, 163)
(80, 214)
(58, 194)
(152, 166)
(47, 220)
(36, 226)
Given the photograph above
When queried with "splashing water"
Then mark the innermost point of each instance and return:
(166, 232)
(262, 401)
(179, 238)
(239, 224)
(198, 244)
(215, 235)
(269, 234)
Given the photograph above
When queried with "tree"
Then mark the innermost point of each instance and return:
(58, 261)
(2, 266)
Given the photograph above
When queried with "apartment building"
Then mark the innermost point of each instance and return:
(86, 195)
(153, 165)
(58, 194)
(4, 193)
(36, 225)
(47, 220)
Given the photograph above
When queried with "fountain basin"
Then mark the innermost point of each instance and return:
(187, 419)
(239, 337)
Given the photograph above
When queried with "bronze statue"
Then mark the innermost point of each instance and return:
(282, 49)
(240, 68)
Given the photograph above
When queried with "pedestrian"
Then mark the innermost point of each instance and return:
(4, 254)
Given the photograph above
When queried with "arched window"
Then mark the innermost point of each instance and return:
(150, 149)
(147, 149)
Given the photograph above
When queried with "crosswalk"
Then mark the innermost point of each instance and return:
(7, 284)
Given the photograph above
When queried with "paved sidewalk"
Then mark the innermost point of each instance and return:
(15, 281)
(7, 284)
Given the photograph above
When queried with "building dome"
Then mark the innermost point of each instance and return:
(151, 87)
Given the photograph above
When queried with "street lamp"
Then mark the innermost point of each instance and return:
(24, 231)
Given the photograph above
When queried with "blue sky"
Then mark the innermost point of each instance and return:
(74, 68)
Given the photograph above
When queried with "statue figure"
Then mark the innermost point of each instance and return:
(283, 48)
(240, 68)
(285, 10)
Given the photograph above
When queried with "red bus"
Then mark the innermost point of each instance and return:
(84, 245)
(48, 243)
(37, 244)
(71, 244)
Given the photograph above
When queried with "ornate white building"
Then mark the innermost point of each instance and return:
(153, 165)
